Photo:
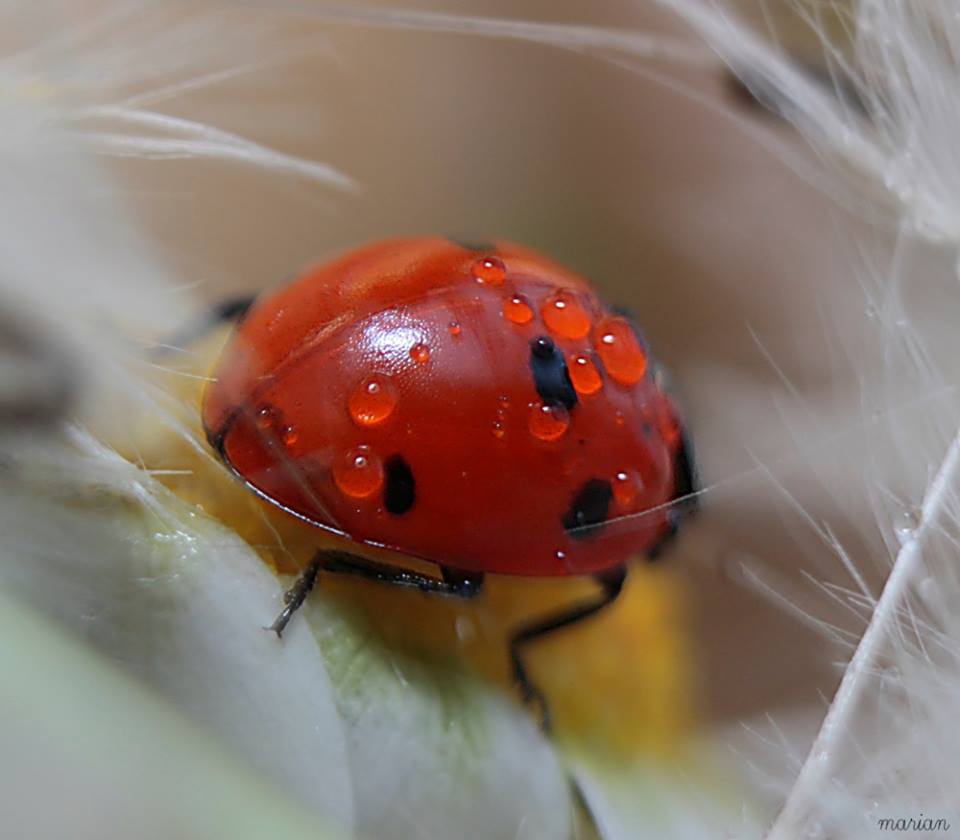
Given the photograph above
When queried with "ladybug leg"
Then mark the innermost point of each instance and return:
(611, 585)
(455, 583)
(294, 597)
(229, 309)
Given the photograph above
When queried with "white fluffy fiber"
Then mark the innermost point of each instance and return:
(887, 747)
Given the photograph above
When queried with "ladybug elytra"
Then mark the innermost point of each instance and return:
(477, 407)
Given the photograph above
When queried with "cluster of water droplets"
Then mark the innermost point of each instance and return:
(359, 472)
(270, 422)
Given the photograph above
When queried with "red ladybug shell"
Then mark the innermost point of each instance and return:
(480, 409)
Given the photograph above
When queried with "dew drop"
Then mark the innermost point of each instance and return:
(372, 401)
(626, 487)
(619, 350)
(548, 422)
(420, 353)
(584, 375)
(266, 418)
(905, 525)
(490, 271)
(560, 554)
(618, 418)
(358, 473)
(498, 431)
(565, 316)
(517, 310)
(290, 436)
(454, 328)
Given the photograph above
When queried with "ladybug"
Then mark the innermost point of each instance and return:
(474, 406)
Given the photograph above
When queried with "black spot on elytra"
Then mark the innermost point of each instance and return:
(550, 374)
(589, 509)
(479, 245)
(400, 488)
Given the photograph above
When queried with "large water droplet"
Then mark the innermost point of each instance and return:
(372, 401)
(517, 310)
(584, 375)
(548, 422)
(489, 270)
(565, 316)
(619, 350)
(358, 473)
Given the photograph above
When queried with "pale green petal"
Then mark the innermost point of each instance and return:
(434, 752)
(358, 733)
(90, 755)
(691, 798)
(177, 600)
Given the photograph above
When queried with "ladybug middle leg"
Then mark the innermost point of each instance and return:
(454, 583)
(457, 584)
(611, 584)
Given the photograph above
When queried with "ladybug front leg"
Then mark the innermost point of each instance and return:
(454, 583)
(612, 585)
